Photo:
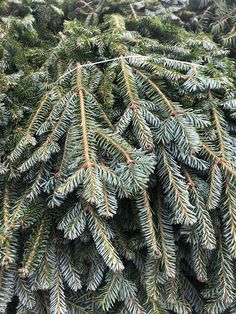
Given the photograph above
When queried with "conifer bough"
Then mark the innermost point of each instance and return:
(119, 194)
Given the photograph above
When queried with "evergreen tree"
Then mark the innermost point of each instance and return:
(218, 17)
(118, 190)
(25, 39)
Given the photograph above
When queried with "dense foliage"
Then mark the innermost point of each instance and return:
(117, 165)
(218, 17)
